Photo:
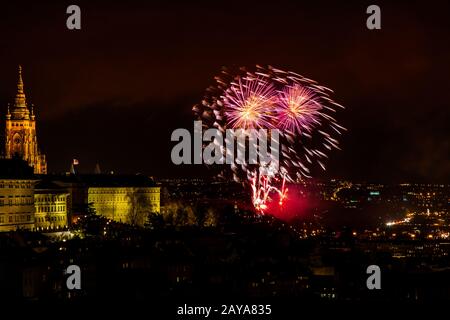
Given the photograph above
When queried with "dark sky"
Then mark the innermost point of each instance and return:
(114, 91)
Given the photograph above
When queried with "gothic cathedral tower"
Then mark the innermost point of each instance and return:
(20, 135)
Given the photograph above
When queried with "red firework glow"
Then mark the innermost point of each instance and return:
(262, 188)
(294, 205)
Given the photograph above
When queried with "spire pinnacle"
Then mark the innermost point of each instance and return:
(20, 101)
(20, 109)
(8, 114)
(20, 77)
(32, 112)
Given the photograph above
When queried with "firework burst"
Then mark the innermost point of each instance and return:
(270, 98)
(298, 109)
(247, 102)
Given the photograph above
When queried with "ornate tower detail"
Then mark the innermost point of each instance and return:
(21, 140)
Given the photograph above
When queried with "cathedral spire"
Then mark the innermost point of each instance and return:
(20, 133)
(20, 110)
(20, 95)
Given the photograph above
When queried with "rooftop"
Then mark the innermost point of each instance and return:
(104, 180)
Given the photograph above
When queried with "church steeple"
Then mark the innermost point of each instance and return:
(20, 132)
(20, 110)
(20, 95)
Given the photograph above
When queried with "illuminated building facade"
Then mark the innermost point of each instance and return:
(20, 133)
(16, 195)
(125, 204)
(50, 203)
(122, 198)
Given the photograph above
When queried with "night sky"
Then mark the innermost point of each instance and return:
(114, 91)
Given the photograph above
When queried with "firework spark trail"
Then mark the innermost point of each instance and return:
(270, 98)
(262, 186)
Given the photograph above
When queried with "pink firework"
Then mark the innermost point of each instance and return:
(298, 109)
(248, 103)
(269, 98)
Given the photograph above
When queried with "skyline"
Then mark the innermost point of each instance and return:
(105, 76)
(243, 158)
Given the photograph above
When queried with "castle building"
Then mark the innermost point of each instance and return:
(29, 203)
(20, 134)
(121, 198)
(124, 203)
(50, 202)
(16, 195)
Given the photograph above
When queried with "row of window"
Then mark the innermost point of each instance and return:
(113, 191)
(27, 218)
(51, 208)
(19, 124)
(117, 199)
(16, 201)
(16, 196)
(52, 219)
(16, 185)
(15, 218)
(48, 199)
